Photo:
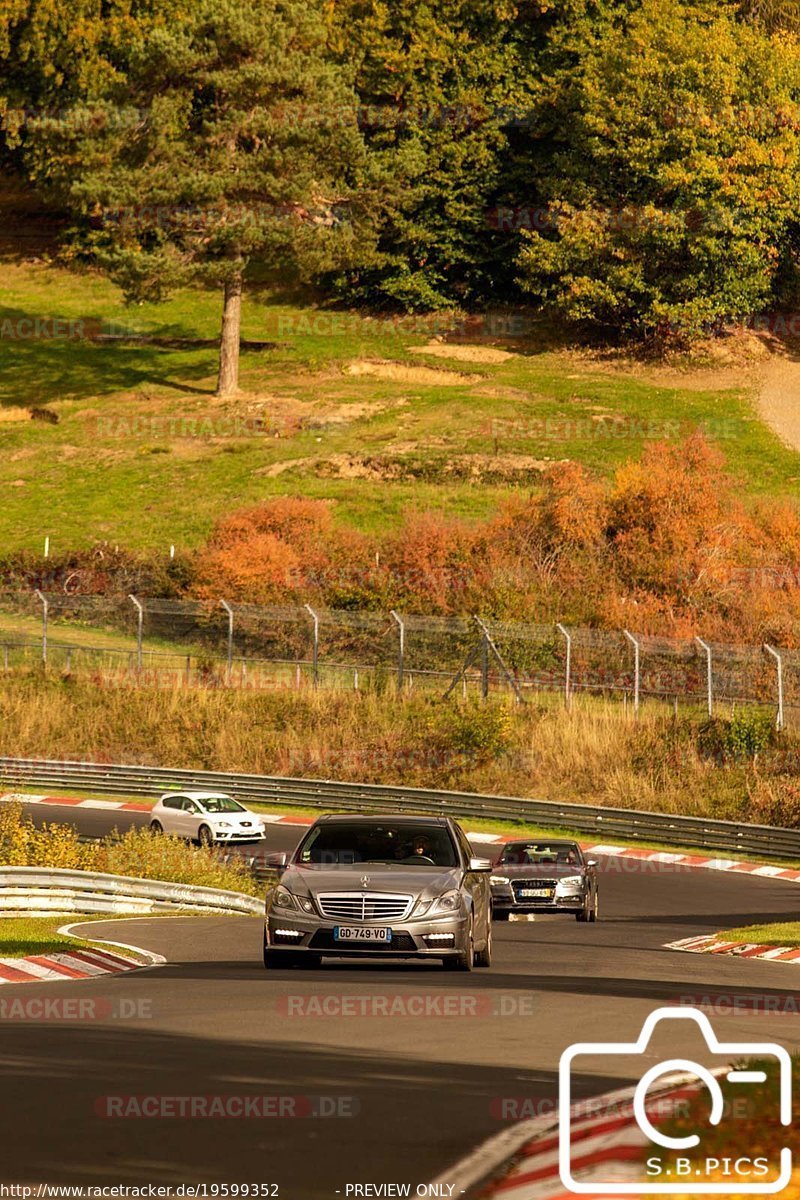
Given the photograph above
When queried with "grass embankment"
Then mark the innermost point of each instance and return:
(145, 455)
(16, 627)
(778, 933)
(595, 754)
(39, 935)
(136, 853)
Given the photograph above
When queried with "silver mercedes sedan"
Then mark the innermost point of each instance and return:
(380, 886)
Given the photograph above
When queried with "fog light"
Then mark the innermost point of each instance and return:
(295, 933)
(439, 937)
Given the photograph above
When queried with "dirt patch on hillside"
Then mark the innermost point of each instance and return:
(779, 400)
(725, 363)
(464, 353)
(447, 468)
(402, 373)
(10, 416)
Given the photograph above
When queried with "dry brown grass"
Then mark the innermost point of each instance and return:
(597, 754)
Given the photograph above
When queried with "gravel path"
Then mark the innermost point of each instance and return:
(779, 399)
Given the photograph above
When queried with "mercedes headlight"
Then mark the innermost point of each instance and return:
(283, 898)
(448, 902)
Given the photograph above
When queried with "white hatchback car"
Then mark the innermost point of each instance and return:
(206, 817)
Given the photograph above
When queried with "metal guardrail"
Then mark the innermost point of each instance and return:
(55, 889)
(604, 824)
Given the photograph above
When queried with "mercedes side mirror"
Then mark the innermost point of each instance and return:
(278, 859)
(480, 864)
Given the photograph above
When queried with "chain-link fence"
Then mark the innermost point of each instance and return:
(219, 643)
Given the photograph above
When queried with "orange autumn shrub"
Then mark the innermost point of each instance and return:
(668, 546)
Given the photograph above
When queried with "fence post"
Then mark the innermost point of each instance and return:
(224, 604)
(779, 665)
(315, 658)
(485, 667)
(401, 650)
(139, 630)
(709, 677)
(45, 609)
(635, 645)
(567, 666)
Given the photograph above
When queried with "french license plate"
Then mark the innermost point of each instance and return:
(359, 933)
(539, 893)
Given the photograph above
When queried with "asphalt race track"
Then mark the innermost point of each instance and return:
(409, 1094)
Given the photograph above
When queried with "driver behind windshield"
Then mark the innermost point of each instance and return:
(418, 852)
(347, 844)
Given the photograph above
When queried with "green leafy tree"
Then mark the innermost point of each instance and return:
(672, 187)
(446, 97)
(194, 157)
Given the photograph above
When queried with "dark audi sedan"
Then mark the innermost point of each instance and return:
(544, 876)
(405, 887)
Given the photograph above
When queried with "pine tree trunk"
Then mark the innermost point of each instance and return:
(228, 381)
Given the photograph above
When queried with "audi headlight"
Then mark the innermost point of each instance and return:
(499, 879)
(448, 902)
(571, 882)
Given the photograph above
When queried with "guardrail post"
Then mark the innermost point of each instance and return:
(224, 604)
(45, 611)
(709, 676)
(779, 664)
(636, 675)
(567, 665)
(401, 648)
(315, 653)
(139, 630)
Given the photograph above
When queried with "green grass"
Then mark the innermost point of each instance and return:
(15, 627)
(105, 472)
(779, 933)
(39, 935)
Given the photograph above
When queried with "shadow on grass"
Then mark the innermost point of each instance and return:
(54, 363)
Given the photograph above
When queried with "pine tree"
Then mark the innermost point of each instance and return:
(224, 137)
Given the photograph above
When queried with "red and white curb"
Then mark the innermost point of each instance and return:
(75, 964)
(522, 1163)
(110, 805)
(72, 802)
(664, 857)
(712, 944)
